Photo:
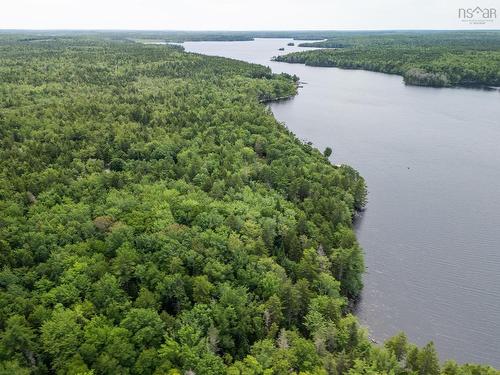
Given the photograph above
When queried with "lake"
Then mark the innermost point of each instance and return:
(431, 159)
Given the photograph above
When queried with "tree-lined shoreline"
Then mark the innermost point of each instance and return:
(155, 218)
(443, 59)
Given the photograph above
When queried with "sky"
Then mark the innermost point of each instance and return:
(241, 14)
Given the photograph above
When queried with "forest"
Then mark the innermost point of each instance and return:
(155, 218)
(168, 36)
(438, 59)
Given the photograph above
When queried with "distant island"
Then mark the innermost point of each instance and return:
(425, 59)
(157, 219)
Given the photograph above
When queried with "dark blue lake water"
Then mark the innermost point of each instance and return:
(431, 159)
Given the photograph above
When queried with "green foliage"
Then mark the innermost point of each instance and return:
(422, 58)
(328, 152)
(156, 219)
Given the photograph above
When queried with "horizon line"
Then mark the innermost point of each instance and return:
(235, 31)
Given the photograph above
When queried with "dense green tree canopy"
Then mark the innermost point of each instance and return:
(156, 219)
(425, 58)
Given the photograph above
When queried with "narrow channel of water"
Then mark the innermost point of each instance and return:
(431, 158)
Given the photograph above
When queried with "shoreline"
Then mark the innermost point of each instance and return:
(486, 87)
